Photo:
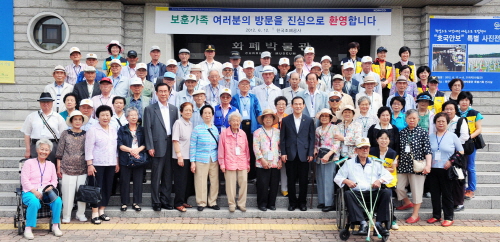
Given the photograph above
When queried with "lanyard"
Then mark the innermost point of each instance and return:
(184, 70)
(292, 92)
(269, 137)
(267, 93)
(312, 101)
(100, 99)
(41, 173)
(214, 96)
(345, 129)
(75, 70)
(410, 138)
(364, 122)
(244, 103)
(130, 73)
(209, 68)
(439, 141)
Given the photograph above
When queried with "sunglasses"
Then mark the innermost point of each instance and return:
(334, 100)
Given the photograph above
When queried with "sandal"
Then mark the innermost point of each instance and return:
(186, 205)
(136, 207)
(104, 217)
(96, 220)
(181, 208)
(124, 207)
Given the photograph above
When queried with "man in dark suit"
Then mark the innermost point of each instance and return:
(158, 121)
(81, 89)
(297, 148)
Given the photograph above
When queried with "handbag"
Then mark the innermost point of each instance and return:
(89, 194)
(469, 144)
(455, 173)
(418, 165)
(137, 162)
(479, 142)
(322, 152)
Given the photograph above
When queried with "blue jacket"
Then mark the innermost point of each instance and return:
(125, 138)
(255, 110)
(219, 119)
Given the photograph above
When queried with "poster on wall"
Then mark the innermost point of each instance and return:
(247, 21)
(7, 42)
(468, 48)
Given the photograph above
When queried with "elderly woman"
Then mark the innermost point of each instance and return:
(281, 103)
(234, 161)
(69, 101)
(348, 132)
(266, 142)
(424, 100)
(131, 143)
(443, 145)
(183, 179)
(36, 175)
(365, 118)
(456, 86)
(398, 118)
(414, 145)
(203, 156)
(384, 115)
(102, 161)
(474, 120)
(326, 147)
(462, 131)
(71, 164)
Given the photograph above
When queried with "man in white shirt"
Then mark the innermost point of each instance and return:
(314, 99)
(59, 88)
(298, 62)
(309, 58)
(210, 63)
(212, 90)
(106, 98)
(227, 80)
(197, 71)
(267, 92)
(76, 67)
(316, 69)
(292, 91)
(375, 98)
(326, 76)
(128, 71)
(249, 70)
(186, 95)
(184, 65)
(366, 70)
(265, 60)
(169, 79)
(87, 109)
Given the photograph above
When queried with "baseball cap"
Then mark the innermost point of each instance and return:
(190, 77)
(195, 67)
(184, 50)
(199, 91)
(132, 53)
(380, 49)
(87, 102)
(59, 68)
(284, 60)
(244, 79)
(235, 55)
(309, 50)
(225, 90)
(227, 65)
(316, 64)
(169, 74)
(171, 62)
(366, 59)
(155, 47)
(74, 49)
(106, 79)
(338, 76)
(326, 58)
(141, 66)
(434, 79)
(91, 56)
(115, 61)
(265, 54)
(248, 64)
(335, 94)
(348, 65)
(210, 48)
(267, 69)
(136, 81)
(362, 142)
(89, 69)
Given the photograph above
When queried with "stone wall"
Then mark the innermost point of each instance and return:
(134, 25)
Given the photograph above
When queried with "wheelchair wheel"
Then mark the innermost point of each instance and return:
(20, 227)
(50, 225)
(391, 215)
(385, 238)
(344, 234)
(341, 210)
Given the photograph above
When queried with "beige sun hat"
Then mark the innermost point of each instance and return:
(267, 112)
(77, 113)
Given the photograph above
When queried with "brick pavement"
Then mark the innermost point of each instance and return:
(246, 229)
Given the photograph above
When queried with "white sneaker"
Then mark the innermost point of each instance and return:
(57, 232)
(28, 235)
(65, 221)
(394, 225)
(81, 218)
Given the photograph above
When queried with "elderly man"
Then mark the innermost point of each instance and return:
(199, 101)
(179, 81)
(401, 85)
(43, 124)
(137, 99)
(249, 70)
(210, 63)
(59, 88)
(222, 111)
(142, 72)
(91, 60)
(212, 90)
(316, 69)
(129, 71)
(186, 95)
(364, 176)
(326, 76)
(184, 65)
(298, 62)
(281, 80)
(87, 109)
(201, 83)
(338, 85)
(350, 83)
(292, 91)
(76, 67)
(314, 99)
(169, 79)
(267, 92)
(88, 88)
(265, 60)
(155, 68)
(227, 80)
(336, 105)
(309, 58)
(105, 98)
(235, 60)
(120, 83)
(366, 70)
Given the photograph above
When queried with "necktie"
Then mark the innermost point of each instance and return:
(235, 76)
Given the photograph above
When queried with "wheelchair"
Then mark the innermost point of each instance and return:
(343, 223)
(20, 216)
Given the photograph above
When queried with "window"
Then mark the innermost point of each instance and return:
(48, 32)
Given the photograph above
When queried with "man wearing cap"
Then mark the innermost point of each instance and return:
(222, 111)
(74, 68)
(158, 121)
(227, 80)
(87, 109)
(249, 70)
(335, 103)
(186, 95)
(91, 60)
(210, 63)
(235, 60)
(364, 176)
(129, 71)
(179, 81)
(316, 69)
(142, 73)
(281, 80)
(326, 76)
(59, 88)
(169, 79)
(267, 92)
(298, 62)
(314, 99)
(384, 70)
(309, 58)
(249, 108)
(201, 83)
(213, 89)
(88, 88)
(292, 91)
(137, 99)
(366, 70)
(401, 85)
(105, 98)
(350, 83)
(200, 98)
(338, 85)
(297, 150)
(265, 60)
(184, 65)
(120, 84)
(44, 123)
(375, 99)
(155, 68)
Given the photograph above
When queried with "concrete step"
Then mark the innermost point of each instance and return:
(9, 173)
(11, 142)
(482, 155)
(9, 162)
(11, 133)
(12, 152)
(488, 177)
(492, 147)
(484, 166)
(487, 190)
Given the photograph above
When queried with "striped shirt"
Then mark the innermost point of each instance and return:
(203, 147)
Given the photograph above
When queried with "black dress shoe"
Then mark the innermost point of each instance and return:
(156, 207)
(167, 207)
(291, 208)
(262, 208)
(328, 209)
(321, 205)
(200, 208)
(272, 208)
(214, 207)
(303, 208)
(381, 230)
(363, 230)
(459, 208)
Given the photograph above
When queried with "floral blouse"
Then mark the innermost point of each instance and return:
(418, 140)
(325, 139)
(71, 152)
(265, 144)
(351, 133)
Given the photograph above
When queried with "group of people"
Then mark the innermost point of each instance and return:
(194, 123)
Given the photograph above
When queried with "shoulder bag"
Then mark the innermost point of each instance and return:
(418, 165)
(469, 144)
(479, 142)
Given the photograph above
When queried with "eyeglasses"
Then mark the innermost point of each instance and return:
(334, 100)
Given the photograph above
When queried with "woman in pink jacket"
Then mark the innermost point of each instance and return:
(234, 161)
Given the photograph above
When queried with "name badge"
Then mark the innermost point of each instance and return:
(437, 155)
(245, 113)
(407, 149)
(237, 151)
(281, 80)
(270, 156)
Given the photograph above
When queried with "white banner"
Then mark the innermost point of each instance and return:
(238, 21)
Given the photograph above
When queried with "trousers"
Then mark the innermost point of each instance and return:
(33, 203)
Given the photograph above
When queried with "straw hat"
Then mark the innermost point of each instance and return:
(77, 113)
(267, 112)
(349, 107)
(322, 111)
